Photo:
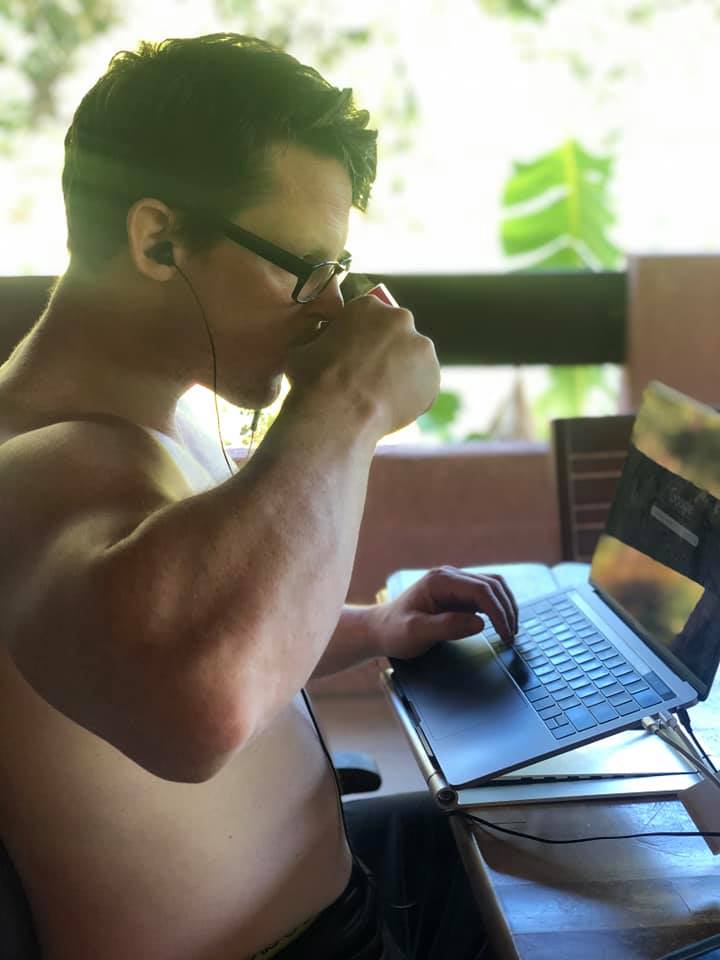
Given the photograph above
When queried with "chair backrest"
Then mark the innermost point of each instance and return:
(18, 940)
(589, 454)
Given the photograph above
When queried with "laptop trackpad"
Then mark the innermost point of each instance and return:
(459, 684)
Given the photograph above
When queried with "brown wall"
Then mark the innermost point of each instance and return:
(673, 330)
(474, 503)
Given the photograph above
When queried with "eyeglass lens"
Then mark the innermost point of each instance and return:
(318, 280)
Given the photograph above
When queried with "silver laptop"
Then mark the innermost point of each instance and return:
(643, 636)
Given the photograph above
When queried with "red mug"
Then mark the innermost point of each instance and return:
(382, 293)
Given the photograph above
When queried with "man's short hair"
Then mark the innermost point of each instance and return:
(192, 122)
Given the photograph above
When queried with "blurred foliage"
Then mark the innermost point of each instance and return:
(291, 28)
(637, 11)
(603, 76)
(39, 40)
(518, 9)
(567, 394)
(311, 34)
(558, 211)
(438, 420)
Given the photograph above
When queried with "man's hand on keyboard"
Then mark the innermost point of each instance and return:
(446, 604)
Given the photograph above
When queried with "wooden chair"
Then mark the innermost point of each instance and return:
(589, 454)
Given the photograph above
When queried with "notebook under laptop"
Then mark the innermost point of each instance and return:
(642, 636)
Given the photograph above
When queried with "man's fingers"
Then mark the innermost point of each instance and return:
(455, 589)
(508, 599)
(500, 614)
(485, 593)
(501, 606)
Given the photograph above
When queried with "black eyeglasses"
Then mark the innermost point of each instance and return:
(312, 278)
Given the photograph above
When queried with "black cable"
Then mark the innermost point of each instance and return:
(620, 836)
(214, 359)
(370, 876)
(685, 720)
(334, 772)
(253, 428)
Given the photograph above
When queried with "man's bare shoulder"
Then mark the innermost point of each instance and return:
(83, 464)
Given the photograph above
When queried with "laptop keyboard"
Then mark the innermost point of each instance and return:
(573, 676)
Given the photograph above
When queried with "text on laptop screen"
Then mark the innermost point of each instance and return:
(659, 558)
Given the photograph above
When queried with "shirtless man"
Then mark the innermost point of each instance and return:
(164, 793)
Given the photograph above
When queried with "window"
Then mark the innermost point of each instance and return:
(609, 108)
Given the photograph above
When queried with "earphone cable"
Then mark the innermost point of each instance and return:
(214, 360)
(255, 420)
(253, 428)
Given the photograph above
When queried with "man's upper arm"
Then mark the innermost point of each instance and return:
(84, 483)
(68, 493)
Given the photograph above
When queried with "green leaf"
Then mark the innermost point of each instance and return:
(524, 234)
(565, 258)
(530, 180)
(560, 202)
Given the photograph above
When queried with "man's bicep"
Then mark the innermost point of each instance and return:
(65, 500)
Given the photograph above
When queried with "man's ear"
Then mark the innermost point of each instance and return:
(149, 222)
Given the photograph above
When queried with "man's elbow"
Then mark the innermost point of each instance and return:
(186, 769)
(194, 751)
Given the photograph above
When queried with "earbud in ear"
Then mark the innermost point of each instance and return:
(163, 253)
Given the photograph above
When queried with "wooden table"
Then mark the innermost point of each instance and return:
(608, 900)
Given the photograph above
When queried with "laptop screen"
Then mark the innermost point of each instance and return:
(658, 562)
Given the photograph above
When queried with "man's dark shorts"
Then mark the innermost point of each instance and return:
(408, 897)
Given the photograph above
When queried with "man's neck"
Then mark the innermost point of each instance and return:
(87, 356)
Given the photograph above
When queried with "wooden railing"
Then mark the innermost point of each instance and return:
(556, 318)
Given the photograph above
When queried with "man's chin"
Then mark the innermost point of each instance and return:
(257, 396)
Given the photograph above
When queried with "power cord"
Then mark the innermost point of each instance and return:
(620, 836)
(666, 726)
(685, 720)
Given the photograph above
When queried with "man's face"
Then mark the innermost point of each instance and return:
(248, 301)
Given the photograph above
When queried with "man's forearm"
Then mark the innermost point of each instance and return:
(356, 639)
